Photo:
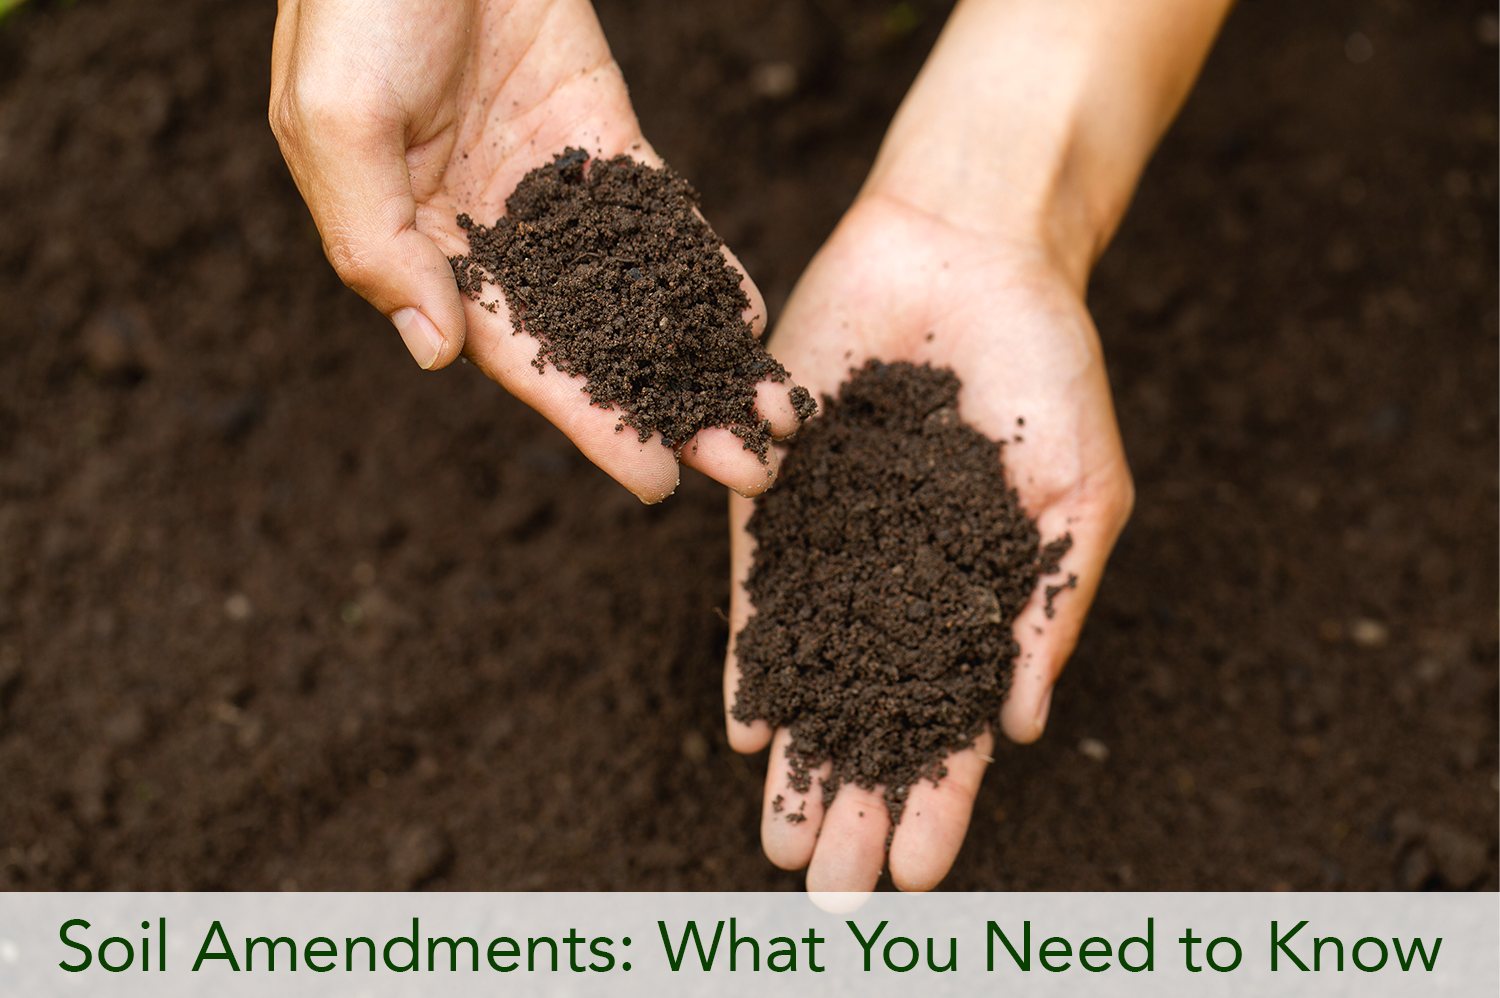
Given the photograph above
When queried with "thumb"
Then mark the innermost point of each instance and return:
(355, 179)
(1048, 628)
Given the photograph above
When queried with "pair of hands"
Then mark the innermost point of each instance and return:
(394, 118)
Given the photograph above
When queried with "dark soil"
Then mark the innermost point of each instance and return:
(277, 608)
(891, 560)
(610, 266)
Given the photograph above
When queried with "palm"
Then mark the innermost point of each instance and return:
(896, 284)
(512, 88)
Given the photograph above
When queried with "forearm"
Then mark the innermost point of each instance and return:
(1033, 119)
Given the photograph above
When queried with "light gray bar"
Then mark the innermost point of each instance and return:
(1467, 962)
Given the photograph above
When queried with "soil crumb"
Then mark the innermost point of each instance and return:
(1054, 591)
(891, 560)
(610, 266)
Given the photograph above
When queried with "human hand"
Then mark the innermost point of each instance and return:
(396, 117)
(1002, 178)
(896, 283)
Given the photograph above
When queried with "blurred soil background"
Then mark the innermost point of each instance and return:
(278, 610)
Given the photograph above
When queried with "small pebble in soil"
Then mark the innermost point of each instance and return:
(1094, 749)
(892, 558)
(775, 80)
(1369, 633)
(416, 855)
(694, 747)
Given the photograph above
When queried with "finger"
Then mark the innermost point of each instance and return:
(790, 818)
(936, 819)
(773, 401)
(722, 456)
(755, 311)
(646, 468)
(850, 850)
(350, 164)
(754, 736)
(1094, 521)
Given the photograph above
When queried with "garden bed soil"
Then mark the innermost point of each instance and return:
(277, 609)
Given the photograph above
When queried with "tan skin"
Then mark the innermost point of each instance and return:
(1001, 180)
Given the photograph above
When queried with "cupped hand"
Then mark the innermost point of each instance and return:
(396, 117)
(895, 283)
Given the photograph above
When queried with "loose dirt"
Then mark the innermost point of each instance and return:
(891, 560)
(609, 264)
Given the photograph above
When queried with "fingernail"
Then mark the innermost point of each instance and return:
(420, 336)
(1043, 711)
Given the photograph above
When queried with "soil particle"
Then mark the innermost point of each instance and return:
(91, 786)
(1434, 850)
(416, 855)
(891, 561)
(1369, 633)
(610, 266)
(695, 747)
(1460, 856)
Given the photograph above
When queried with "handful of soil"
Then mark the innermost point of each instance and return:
(610, 266)
(891, 560)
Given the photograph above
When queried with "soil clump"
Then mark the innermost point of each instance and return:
(609, 264)
(892, 559)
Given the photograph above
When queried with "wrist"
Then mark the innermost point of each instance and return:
(1029, 201)
(1032, 119)
(981, 144)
